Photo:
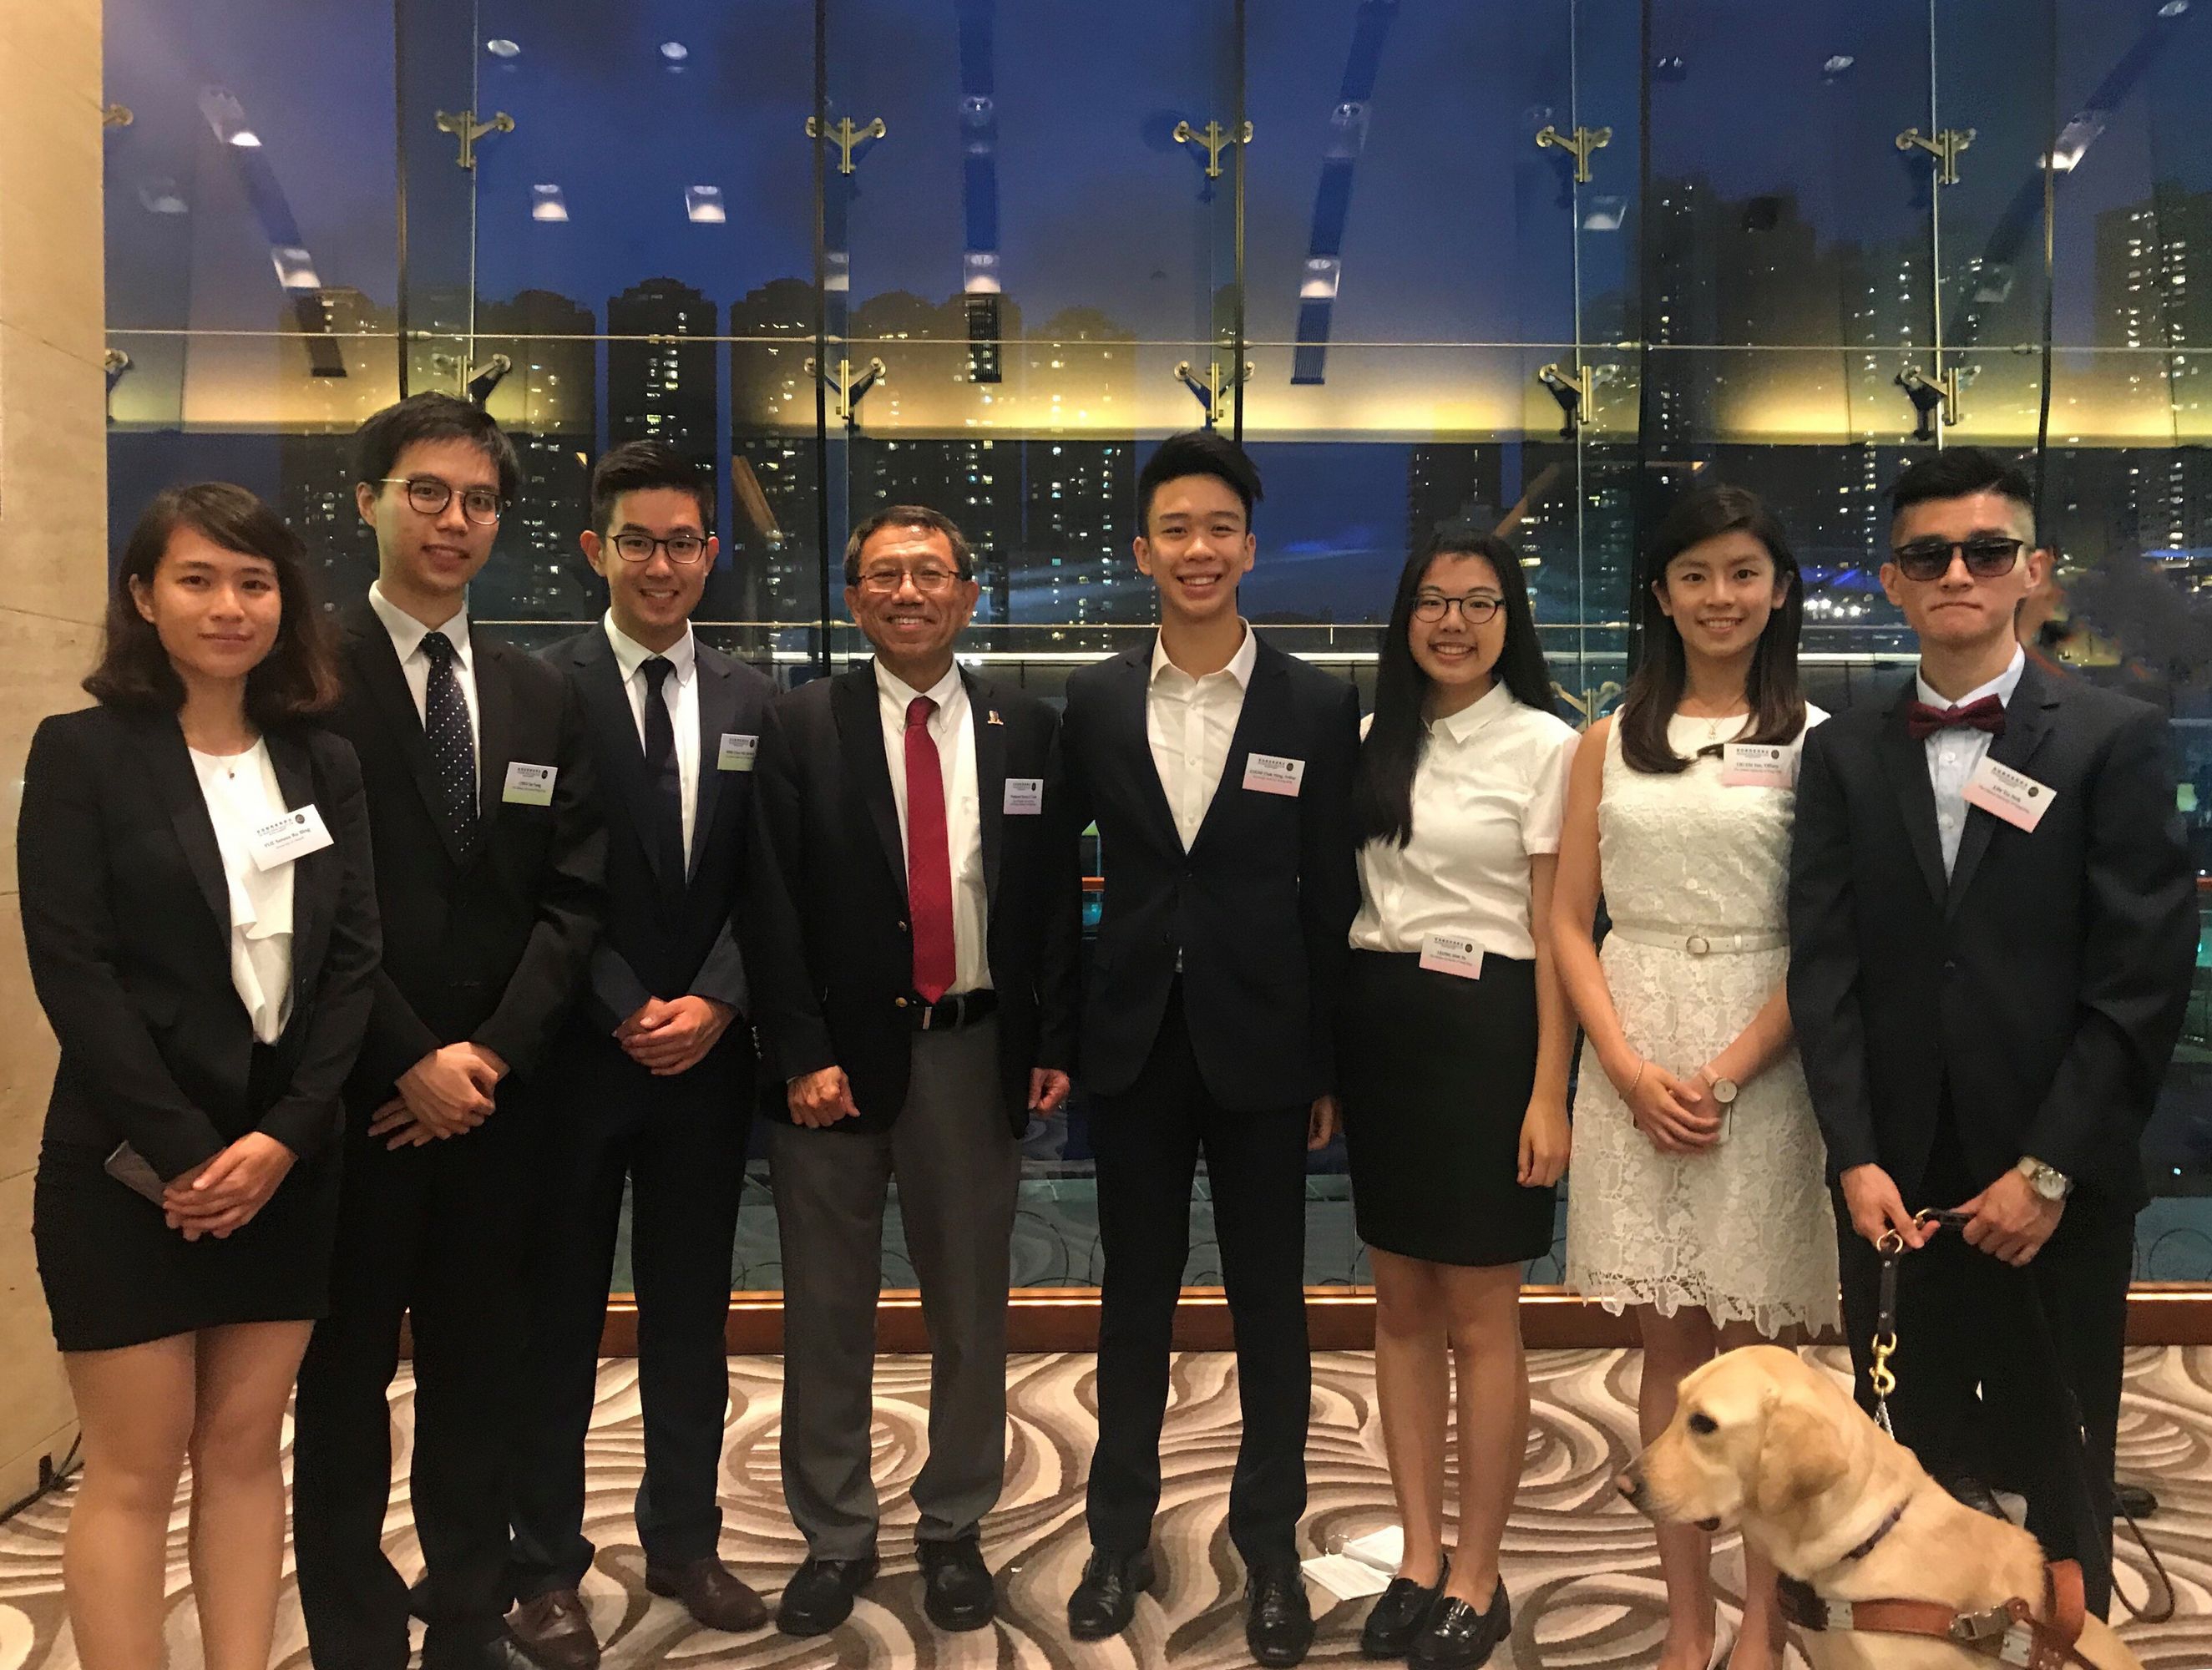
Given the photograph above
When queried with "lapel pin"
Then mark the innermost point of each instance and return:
(994, 718)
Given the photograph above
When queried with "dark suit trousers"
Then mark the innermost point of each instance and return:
(1968, 1323)
(436, 1236)
(1147, 1141)
(680, 1143)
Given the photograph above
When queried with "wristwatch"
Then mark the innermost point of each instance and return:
(1725, 1090)
(2047, 1180)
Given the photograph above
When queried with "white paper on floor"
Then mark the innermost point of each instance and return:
(1384, 1549)
(1346, 1578)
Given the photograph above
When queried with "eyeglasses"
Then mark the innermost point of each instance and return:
(929, 581)
(1986, 556)
(1474, 608)
(683, 549)
(430, 496)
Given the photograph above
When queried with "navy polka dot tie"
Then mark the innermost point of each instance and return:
(452, 749)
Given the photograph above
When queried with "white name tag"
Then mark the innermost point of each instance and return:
(2012, 795)
(294, 836)
(1758, 765)
(738, 752)
(1271, 773)
(1449, 954)
(529, 785)
(1024, 797)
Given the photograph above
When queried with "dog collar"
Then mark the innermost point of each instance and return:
(1887, 1525)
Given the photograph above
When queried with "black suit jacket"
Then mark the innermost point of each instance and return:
(492, 950)
(126, 917)
(661, 939)
(1260, 908)
(825, 924)
(2043, 982)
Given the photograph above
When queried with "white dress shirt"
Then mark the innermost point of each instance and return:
(953, 728)
(407, 635)
(1189, 723)
(1488, 796)
(242, 793)
(1954, 755)
(679, 694)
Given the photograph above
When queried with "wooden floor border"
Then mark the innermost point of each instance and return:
(1066, 1318)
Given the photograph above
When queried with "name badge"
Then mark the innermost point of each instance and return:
(738, 752)
(1271, 773)
(282, 839)
(1758, 765)
(1024, 797)
(1449, 954)
(529, 785)
(2012, 795)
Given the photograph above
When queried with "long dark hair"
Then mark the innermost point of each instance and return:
(1778, 704)
(1382, 789)
(297, 679)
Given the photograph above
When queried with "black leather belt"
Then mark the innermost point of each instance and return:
(953, 1010)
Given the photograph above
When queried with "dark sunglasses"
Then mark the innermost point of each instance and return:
(1986, 556)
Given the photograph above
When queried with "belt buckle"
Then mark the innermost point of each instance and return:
(1698, 945)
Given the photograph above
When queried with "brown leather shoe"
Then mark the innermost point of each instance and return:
(711, 1593)
(554, 1628)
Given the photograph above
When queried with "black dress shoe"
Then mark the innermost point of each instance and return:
(1278, 1625)
(956, 1591)
(820, 1596)
(1458, 1637)
(1106, 1599)
(1398, 1615)
(501, 1652)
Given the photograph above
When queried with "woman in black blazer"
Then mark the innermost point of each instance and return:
(201, 920)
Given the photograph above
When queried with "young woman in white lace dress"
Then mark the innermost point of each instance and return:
(1698, 1196)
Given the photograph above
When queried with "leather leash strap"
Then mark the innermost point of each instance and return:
(2010, 1635)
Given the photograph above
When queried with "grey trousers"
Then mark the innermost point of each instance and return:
(956, 1165)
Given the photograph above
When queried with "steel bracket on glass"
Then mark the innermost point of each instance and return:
(1579, 145)
(1214, 391)
(848, 390)
(1935, 399)
(463, 126)
(477, 384)
(116, 116)
(845, 136)
(1572, 389)
(1944, 146)
(1215, 138)
(1590, 703)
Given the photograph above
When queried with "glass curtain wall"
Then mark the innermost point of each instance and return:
(1537, 267)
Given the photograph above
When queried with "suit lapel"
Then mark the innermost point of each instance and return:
(179, 786)
(1132, 683)
(990, 779)
(718, 709)
(853, 705)
(1268, 674)
(2027, 723)
(376, 669)
(1906, 761)
(295, 781)
(494, 728)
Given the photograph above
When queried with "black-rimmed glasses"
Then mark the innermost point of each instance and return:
(683, 548)
(1987, 557)
(429, 496)
(1475, 608)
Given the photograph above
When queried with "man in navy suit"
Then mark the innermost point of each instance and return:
(652, 1074)
(1219, 772)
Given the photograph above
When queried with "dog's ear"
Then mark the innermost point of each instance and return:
(1801, 1453)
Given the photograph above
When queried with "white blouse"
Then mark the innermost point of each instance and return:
(241, 795)
(1489, 794)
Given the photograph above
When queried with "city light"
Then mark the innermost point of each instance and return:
(548, 203)
(674, 51)
(503, 48)
(704, 205)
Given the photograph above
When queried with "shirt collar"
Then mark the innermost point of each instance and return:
(630, 655)
(1240, 664)
(2000, 687)
(901, 695)
(408, 633)
(1491, 704)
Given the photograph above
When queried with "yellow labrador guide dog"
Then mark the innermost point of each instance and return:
(1901, 1576)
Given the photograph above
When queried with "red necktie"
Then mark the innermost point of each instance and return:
(1922, 721)
(928, 857)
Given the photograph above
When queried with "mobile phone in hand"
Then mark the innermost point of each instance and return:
(129, 1168)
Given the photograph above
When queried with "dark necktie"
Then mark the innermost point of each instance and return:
(452, 749)
(667, 801)
(928, 857)
(1923, 721)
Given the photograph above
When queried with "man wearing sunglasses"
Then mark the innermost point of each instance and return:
(652, 1077)
(1993, 926)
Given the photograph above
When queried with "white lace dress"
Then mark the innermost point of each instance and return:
(1743, 1229)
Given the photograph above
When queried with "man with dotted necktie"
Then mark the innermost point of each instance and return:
(488, 866)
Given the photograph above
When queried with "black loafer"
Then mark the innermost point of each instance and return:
(956, 1591)
(1106, 1599)
(1398, 1614)
(820, 1596)
(1278, 1625)
(1458, 1637)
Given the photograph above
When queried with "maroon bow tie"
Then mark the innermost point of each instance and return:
(1987, 714)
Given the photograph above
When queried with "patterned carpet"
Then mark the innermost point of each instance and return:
(1579, 1563)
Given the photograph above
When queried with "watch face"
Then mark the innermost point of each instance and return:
(1724, 1091)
